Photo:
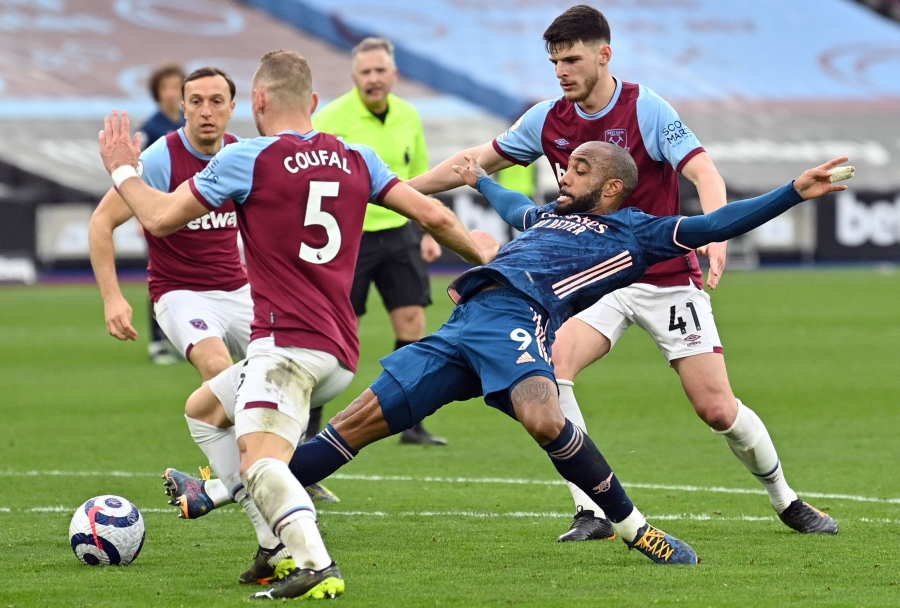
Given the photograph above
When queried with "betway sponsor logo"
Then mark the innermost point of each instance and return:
(766, 150)
(858, 223)
(214, 220)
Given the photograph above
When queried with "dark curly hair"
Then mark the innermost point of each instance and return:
(580, 23)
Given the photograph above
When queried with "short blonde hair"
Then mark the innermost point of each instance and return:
(286, 75)
(370, 44)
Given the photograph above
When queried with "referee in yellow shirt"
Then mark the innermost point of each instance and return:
(393, 253)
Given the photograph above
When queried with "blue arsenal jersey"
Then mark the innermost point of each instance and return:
(566, 263)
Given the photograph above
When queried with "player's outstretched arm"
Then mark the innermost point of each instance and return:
(443, 177)
(109, 215)
(743, 216)
(160, 213)
(510, 205)
(441, 223)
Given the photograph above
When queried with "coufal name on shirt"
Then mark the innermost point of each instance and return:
(573, 223)
(315, 158)
(213, 221)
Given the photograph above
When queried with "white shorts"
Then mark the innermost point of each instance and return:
(679, 319)
(273, 389)
(187, 317)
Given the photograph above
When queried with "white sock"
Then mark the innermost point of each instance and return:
(570, 409)
(750, 442)
(264, 534)
(288, 510)
(627, 529)
(220, 447)
(217, 490)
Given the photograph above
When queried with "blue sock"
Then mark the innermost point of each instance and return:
(578, 460)
(321, 456)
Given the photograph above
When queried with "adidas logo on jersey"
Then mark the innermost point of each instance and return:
(525, 358)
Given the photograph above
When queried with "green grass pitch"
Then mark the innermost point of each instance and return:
(475, 523)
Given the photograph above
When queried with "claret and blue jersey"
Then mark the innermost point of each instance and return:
(636, 119)
(300, 201)
(202, 256)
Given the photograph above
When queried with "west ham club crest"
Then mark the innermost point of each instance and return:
(618, 137)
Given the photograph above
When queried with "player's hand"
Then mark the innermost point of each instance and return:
(816, 182)
(118, 319)
(117, 147)
(487, 245)
(471, 172)
(716, 254)
(431, 249)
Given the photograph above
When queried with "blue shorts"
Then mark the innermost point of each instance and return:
(490, 343)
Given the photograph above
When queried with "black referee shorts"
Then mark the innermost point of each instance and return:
(392, 259)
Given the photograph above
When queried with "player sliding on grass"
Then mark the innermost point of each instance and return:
(498, 340)
(300, 197)
(668, 301)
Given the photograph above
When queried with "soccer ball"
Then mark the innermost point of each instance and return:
(107, 531)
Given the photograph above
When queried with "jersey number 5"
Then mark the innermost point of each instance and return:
(316, 217)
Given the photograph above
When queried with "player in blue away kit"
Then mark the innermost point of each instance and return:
(497, 341)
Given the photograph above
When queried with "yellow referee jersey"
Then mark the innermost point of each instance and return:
(399, 141)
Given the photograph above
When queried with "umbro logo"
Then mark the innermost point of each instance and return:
(561, 143)
(525, 358)
(692, 337)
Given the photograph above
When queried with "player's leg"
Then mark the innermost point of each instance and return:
(505, 343)
(192, 321)
(417, 381)
(401, 277)
(582, 340)
(236, 314)
(577, 459)
(705, 382)
(211, 357)
(326, 390)
(160, 349)
(210, 414)
(270, 416)
(680, 320)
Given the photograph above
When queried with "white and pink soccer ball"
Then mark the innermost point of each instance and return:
(107, 531)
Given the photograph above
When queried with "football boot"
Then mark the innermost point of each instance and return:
(418, 434)
(807, 519)
(661, 547)
(187, 493)
(269, 565)
(304, 583)
(320, 493)
(587, 527)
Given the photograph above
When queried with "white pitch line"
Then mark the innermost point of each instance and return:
(641, 486)
(469, 514)
(486, 480)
